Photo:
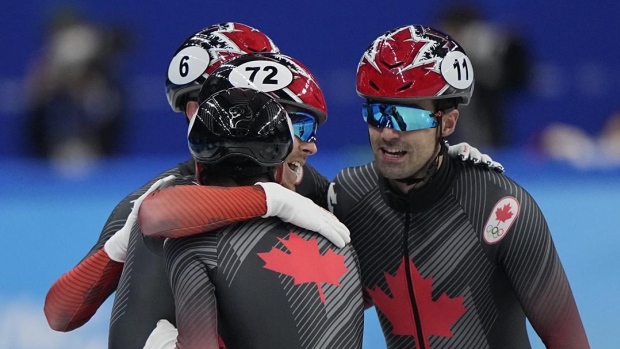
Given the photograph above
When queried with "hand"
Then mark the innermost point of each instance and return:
(116, 246)
(303, 212)
(164, 336)
(466, 152)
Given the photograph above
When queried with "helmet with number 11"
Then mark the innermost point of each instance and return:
(415, 62)
(206, 50)
(412, 79)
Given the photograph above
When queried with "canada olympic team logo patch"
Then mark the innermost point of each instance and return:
(503, 214)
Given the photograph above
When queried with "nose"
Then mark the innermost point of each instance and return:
(308, 148)
(389, 134)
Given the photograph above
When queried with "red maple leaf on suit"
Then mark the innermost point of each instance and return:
(305, 263)
(436, 316)
(504, 213)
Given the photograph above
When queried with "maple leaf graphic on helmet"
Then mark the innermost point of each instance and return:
(305, 263)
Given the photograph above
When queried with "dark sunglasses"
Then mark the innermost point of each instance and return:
(398, 117)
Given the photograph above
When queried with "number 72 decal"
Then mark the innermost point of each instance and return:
(264, 76)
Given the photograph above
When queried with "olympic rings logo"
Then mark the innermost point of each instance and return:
(494, 231)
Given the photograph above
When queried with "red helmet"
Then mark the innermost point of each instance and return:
(284, 77)
(206, 50)
(415, 62)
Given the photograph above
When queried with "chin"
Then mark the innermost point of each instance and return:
(390, 172)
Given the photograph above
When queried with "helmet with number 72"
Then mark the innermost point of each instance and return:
(283, 77)
(415, 62)
(206, 50)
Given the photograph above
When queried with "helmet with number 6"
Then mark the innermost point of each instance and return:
(206, 50)
(284, 77)
(414, 62)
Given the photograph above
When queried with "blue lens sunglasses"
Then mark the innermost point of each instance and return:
(398, 117)
(304, 126)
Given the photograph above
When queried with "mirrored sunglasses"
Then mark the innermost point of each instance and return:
(397, 117)
(304, 126)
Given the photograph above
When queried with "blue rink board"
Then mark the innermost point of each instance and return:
(51, 221)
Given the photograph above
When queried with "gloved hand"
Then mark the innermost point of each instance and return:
(303, 212)
(116, 246)
(164, 336)
(466, 152)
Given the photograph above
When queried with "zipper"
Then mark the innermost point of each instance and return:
(419, 337)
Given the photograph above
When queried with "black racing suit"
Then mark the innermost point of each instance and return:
(265, 284)
(144, 295)
(458, 263)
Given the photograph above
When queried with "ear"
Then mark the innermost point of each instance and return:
(448, 122)
(190, 109)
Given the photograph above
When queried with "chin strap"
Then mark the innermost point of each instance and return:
(278, 176)
(199, 174)
(430, 173)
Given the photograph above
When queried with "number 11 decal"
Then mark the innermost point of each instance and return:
(456, 69)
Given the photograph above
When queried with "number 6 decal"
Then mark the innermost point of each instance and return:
(456, 69)
(262, 76)
(187, 65)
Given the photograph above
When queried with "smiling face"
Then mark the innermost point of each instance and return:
(293, 172)
(402, 154)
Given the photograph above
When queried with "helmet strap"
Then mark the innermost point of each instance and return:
(199, 174)
(278, 175)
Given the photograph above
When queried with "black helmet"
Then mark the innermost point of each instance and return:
(240, 123)
(284, 77)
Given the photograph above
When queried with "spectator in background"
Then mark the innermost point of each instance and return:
(76, 105)
(501, 63)
(570, 143)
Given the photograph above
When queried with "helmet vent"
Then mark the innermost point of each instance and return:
(373, 85)
(405, 86)
(392, 66)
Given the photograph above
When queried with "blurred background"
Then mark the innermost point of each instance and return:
(85, 121)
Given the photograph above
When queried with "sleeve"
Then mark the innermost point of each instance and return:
(186, 210)
(194, 294)
(75, 297)
(533, 266)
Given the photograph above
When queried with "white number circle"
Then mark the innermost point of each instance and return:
(263, 76)
(187, 65)
(456, 69)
